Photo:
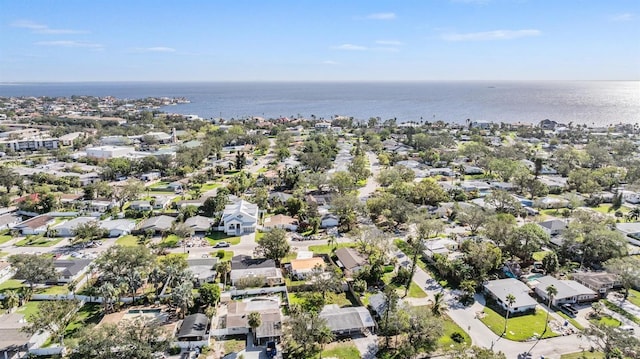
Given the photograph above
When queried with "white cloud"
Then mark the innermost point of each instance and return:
(491, 35)
(43, 29)
(157, 49)
(350, 47)
(623, 17)
(389, 42)
(382, 16)
(70, 43)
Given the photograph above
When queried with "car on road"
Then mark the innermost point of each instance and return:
(222, 244)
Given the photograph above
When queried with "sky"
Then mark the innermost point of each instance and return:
(318, 40)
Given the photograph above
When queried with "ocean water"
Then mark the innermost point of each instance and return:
(595, 103)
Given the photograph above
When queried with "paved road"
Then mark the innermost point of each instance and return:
(372, 184)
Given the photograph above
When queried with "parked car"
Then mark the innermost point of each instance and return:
(271, 349)
(569, 310)
(222, 244)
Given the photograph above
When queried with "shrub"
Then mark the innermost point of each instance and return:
(175, 350)
(402, 277)
(457, 337)
(220, 253)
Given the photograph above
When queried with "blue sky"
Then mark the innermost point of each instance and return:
(319, 40)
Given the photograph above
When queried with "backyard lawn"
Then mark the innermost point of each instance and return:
(346, 350)
(11, 284)
(519, 328)
(53, 290)
(38, 242)
(127, 241)
(340, 299)
(216, 237)
(608, 321)
(327, 249)
(209, 186)
(234, 345)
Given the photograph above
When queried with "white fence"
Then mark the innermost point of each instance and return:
(48, 351)
(190, 345)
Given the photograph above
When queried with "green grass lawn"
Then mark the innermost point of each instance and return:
(3, 254)
(346, 350)
(171, 241)
(406, 249)
(327, 249)
(519, 328)
(227, 256)
(583, 354)
(28, 309)
(53, 290)
(608, 321)
(234, 345)
(38, 242)
(340, 299)
(5, 237)
(445, 342)
(259, 236)
(634, 297)
(209, 186)
(216, 237)
(88, 314)
(128, 241)
(10, 284)
(606, 209)
(538, 256)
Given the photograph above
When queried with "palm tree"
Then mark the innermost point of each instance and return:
(324, 336)
(254, 321)
(182, 296)
(437, 304)
(634, 214)
(109, 294)
(71, 286)
(510, 300)
(223, 269)
(11, 299)
(551, 293)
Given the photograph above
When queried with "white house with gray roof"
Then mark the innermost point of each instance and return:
(239, 218)
(499, 289)
(569, 291)
(67, 229)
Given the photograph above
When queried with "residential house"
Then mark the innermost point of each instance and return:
(631, 231)
(68, 228)
(569, 291)
(329, 220)
(243, 266)
(6, 271)
(551, 202)
(118, 227)
(203, 269)
(350, 260)
(13, 340)
(499, 289)
(141, 206)
(280, 221)
(279, 198)
(194, 328)
(150, 176)
(601, 282)
(71, 270)
(239, 218)
(472, 170)
(237, 318)
(553, 227)
(99, 206)
(200, 225)
(158, 224)
(301, 268)
(441, 246)
(160, 202)
(347, 320)
(9, 220)
(36, 225)
(631, 197)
